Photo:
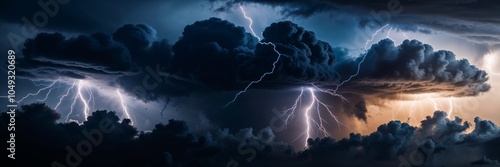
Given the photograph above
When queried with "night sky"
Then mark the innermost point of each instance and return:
(252, 83)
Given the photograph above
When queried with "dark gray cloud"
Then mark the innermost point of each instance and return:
(220, 55)
(123, 58)
(42, 141)
(463, 18)
(214, 54)
(411, 67)
(51, 55)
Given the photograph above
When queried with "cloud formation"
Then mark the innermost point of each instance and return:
(411, 67)
(216, 55)
(41, 140)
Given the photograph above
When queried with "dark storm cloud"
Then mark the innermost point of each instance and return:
(124, 58)
(412, 67)
(42, 141)
(463, 18)
(220, 55)
(84, 55)
(304, 57)
(389, 71)
(214, 54)
(211, 52)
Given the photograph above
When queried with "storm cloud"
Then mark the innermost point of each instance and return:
(122, 58)
(411, 67)
(438, 141)
(215, 54)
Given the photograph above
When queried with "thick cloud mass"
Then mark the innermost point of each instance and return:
(304, 58)
(220, 55)
(214, 55)
(438, 141)
(52, 55)
(121, 58)
(210, 52)
(412, 67)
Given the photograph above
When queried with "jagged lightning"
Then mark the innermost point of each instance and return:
(314, 106)
(82, 99)
(122, 103)
(290, 112)
(334, 91)
(263, 75)
(306, 115)
(82, 94)
(39, 90)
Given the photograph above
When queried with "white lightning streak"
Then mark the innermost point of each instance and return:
(65, 95)
(122, 103)
(82, 99)
(249, 20)
(306, 114)
(38, 92)
(361, 62)
(263, 75)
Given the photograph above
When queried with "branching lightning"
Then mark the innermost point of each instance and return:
(82, 94)
(314, 107)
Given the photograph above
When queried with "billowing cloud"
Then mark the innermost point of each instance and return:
(221, 55)
(437, 141)
(52, 55)
(214, 54)
(123, 58)
(413, 67)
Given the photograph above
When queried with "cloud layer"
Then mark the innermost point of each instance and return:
(104, 140)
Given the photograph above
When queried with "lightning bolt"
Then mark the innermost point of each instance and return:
(80, 90)
(263, 75)
(361, 62)
(82, 99)
(39, 90)
(122, 103)
(310, 121)
(306, 115)
(65, 95)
